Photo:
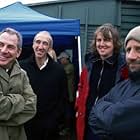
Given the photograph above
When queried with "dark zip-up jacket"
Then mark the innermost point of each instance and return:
(84, 89)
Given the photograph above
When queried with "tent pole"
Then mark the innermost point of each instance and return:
(79, 55)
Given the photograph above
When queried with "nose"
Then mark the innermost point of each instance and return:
(102, 43)
(4, 49)
(132, 54)
(40, 45)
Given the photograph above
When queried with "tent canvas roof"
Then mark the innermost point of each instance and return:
(19, 12)
(29, 22)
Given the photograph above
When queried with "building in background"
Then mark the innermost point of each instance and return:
(124, 14)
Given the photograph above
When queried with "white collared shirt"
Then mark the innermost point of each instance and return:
(45, 63)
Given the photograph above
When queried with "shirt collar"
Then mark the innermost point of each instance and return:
(45, 64)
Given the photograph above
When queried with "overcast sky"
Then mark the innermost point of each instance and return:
(4, 3)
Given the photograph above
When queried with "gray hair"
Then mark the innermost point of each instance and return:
(48, 35)
(12, 31)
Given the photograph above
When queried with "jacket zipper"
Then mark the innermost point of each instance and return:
(99, 81)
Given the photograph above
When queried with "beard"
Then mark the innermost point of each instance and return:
(135, 75)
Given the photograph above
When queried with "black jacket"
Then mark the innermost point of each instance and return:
(50, 86)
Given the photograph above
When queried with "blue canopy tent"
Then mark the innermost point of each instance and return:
(65, 32)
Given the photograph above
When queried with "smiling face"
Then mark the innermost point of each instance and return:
(42, 43)
(104, 46)
(106, 41)
(8, 49)
(133, 55)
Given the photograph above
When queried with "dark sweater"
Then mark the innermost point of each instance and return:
(50, 86)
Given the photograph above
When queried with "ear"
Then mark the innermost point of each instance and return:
(19, 52)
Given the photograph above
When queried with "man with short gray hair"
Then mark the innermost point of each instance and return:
(17, 99)
(48, 80)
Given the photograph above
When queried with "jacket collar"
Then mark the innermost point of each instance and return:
(33, 61)
(15, 70)
(120, 58)
(111, 60)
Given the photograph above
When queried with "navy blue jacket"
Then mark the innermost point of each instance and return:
(116, 116)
